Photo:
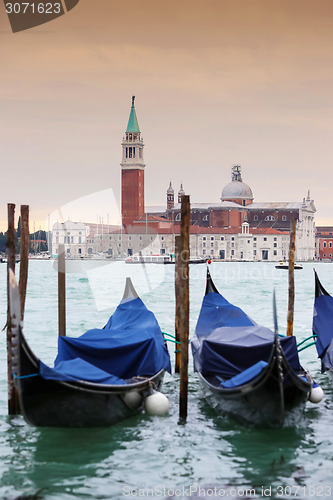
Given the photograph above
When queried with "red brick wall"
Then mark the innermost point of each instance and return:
(226, 218)
(132, 195)
(321, 251)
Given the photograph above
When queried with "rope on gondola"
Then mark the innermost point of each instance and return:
(314, 336)
(174, 341)
(25, 376)
(308, 338)
(169, 335)
(306, 346)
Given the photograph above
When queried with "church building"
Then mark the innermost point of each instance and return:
(232, 227)
(235, 207)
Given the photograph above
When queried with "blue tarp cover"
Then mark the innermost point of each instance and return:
(245, 376)
(78, 369)
(323, 322)
(233, 343)
(131, 344)
(327, 359)
(216, 311)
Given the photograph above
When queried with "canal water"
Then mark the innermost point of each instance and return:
(156, 457)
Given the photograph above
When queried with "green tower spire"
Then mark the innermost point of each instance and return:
(133, 125)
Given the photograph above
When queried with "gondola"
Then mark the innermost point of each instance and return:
(99, 378)
(247, 370)
(323, 326)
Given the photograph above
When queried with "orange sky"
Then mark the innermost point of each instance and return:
(216, 83)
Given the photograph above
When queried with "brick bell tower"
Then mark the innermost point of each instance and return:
(132, 171)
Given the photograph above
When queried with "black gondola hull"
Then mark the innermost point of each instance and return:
(52, 403)
(46, 403)
(275, 398)
(227, 349)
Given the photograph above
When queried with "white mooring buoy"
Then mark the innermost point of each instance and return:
(156, 404)
(316, 394)
(133, 399)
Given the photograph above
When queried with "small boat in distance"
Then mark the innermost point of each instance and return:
(322, 327)
(149, 259)
(247, 370)
(285, 265)
(160, 259)
(98, 379)
(4, 259)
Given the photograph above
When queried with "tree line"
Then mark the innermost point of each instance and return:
(38, 237)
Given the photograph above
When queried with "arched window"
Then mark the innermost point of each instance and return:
(178, 217)
(270, 217)
(205, 217)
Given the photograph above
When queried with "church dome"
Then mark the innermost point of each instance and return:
(236, 189)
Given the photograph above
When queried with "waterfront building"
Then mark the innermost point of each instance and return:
(237, 207)
(255, 245)
(324, 243)
(72, 235)
(234, 227)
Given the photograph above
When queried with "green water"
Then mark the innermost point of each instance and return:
(154, 457)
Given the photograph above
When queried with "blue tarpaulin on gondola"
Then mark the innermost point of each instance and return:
(130, 345)
(227, 344)
(78, 369)
(246, 375)
(327, 359)
(216, 311)
(323, 322)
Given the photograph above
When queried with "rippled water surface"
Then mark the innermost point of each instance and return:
(156, 457)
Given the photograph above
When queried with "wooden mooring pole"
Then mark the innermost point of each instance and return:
(24, 256)
(61, 291)
(291, 273)
(13, 407)
(178, 271)
(182, 299)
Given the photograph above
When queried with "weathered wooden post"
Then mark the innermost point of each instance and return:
(291, 273)
(13, 407)
(24, 255)
(178, 272)
(61, 291)
(182, 308)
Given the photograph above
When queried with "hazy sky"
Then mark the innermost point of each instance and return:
(216, 83)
